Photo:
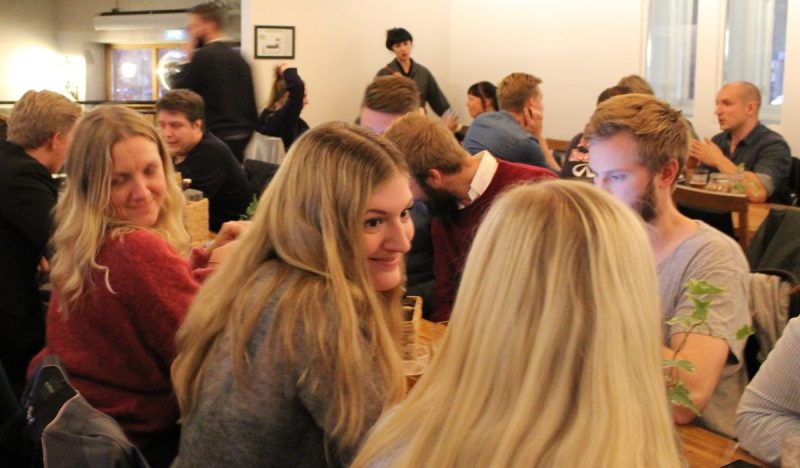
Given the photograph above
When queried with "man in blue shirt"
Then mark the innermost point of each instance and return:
(745, 141)
(515, 132)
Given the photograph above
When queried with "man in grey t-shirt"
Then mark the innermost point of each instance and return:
(637, 147)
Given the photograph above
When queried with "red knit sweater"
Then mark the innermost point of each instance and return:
(118, 347)
(452, 240)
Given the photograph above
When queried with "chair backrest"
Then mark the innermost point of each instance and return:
(67, 430)
(793, 184)
(776, 243)
(259, 175)
(773, 298)
(716, 202)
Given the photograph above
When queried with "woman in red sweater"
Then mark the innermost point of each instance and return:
(121, 282)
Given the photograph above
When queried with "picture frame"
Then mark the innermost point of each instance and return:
(274, 42)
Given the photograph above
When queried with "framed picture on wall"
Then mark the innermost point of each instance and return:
(274, 42)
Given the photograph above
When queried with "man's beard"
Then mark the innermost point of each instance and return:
(646, 205)
(441, 204)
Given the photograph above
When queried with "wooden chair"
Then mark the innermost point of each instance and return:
(716, 202)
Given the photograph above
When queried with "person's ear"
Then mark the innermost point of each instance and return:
(56, 142)
(668, 174)
(434, 179)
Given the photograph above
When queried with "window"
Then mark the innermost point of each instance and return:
(672, 51)
(140, 73)
(755, 50)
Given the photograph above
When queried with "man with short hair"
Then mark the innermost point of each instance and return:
(637, 147)
(514, 133)
(387, 99)
(745, 141)
(39, 135)
(202, 157)
(222, 77)
(459, 189)
(400, 42)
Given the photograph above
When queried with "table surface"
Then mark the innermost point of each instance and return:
(701, 447)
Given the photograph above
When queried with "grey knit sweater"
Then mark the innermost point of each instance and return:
(273, 420)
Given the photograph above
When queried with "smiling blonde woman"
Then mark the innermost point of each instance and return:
(289, 354)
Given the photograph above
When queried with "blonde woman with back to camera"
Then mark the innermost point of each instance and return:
(289, 354)
(531, 374)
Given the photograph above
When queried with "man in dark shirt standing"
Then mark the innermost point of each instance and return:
(746, 141)
(222, 77)
(202, 157)
(39, 135)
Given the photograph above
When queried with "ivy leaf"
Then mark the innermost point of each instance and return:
(701, 287)
(684, 321)
(700, 310)
(678, 364)
(744, 332)
(679, 395)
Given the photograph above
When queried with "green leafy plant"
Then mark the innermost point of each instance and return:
(701, 293)
(251, 209)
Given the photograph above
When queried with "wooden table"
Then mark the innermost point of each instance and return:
(703, 448)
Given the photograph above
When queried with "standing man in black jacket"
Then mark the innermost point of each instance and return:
(222, 77)
(39, 135)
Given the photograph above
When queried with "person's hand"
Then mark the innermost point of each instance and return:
(706, 152)
(450, 120)
(221, 253)
(534, 119)
(230, 231)
(43, 266)
(282, 68)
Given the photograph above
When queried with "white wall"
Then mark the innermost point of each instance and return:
(339, 46)
(578, 48)
(790, 120)
(28, 54)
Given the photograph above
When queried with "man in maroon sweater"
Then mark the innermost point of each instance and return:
(458, 188)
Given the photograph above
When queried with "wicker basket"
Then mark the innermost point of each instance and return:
(195, 218)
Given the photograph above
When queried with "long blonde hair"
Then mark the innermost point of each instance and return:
(551, 357)
(83, 214)
(307, 238)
